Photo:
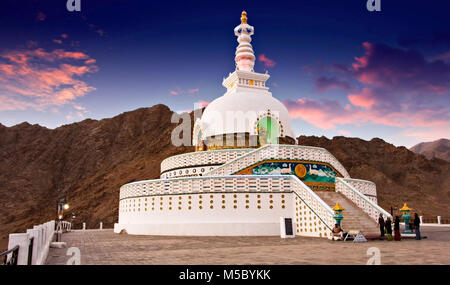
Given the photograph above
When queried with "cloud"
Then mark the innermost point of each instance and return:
(344, 133)
(41, 16)
(386, 85)
(179, 91)
(267, 61)
(392, 68)
(57, 41)
(324, 83)
(200, 104)
(40, 79)
(64, 36)
(365, 99)
(444, 57)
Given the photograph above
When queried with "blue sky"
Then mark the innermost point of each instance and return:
(339, 69)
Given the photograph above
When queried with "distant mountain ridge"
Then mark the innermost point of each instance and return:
(88, 161)
(435, 149)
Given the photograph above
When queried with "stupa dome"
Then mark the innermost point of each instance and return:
(240, 111)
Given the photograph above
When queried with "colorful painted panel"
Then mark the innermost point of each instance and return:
(315, 175)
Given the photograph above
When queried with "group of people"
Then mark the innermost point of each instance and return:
(386, 227)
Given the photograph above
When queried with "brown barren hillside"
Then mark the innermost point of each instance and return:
(87, 162)
(401, 175)
(439, 149)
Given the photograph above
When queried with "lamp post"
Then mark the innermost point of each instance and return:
(72, 218)
(406, 217)
(61, 206)
(338, 213)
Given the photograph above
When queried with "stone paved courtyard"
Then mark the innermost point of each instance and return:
(106, 247)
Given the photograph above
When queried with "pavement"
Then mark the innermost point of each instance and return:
(104, 247)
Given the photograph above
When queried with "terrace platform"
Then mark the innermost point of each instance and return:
(105, 247)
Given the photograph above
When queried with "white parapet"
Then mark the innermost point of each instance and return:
(22, 240)
(40, 236)
(223, 205)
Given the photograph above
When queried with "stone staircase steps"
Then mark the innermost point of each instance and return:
(354, 217)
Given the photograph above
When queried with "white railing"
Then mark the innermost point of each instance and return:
(212, 157)
(40, 236)
(363, 202)
(313, 201)
(281, 152)
(66, 226)
(368, 188)
(220, 184)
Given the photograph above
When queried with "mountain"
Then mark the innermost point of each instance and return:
(85, 162)
(400, 175)
(439, 149)
(88, 161)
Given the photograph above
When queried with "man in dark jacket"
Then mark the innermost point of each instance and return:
(417, 225)
(381, 223)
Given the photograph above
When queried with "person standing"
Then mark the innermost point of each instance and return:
(388, 227)
(397, 235)
(381, 223)
(417, 226)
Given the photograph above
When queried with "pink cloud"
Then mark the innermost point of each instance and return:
(64, 36)
(201, 104)
(365, 99)
(39, 79)
(267, 61)
(395, 87)
(41, 16)
(179, 91)
(328, 114)
(57, 41)
(344, 133)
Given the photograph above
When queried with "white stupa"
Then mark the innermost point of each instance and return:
(247, 95)
(261, 183)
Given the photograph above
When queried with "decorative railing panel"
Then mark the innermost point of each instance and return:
(314, 202)
(293, 152)
(213, 157)
(361, 200)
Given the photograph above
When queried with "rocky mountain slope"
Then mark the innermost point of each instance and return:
(439, 149)
(401, 175)
(87, 162)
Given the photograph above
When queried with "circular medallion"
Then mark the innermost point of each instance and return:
(300, 170)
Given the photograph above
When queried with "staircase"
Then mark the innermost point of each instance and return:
(354, 217)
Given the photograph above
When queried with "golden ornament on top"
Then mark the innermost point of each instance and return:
(244, 17)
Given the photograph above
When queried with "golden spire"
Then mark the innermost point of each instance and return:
(405, 208)
(337, 207)
(244, 17)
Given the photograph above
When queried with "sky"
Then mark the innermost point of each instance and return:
(338, 68)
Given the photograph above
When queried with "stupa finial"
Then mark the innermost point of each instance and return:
(244, 17)
(245, 58)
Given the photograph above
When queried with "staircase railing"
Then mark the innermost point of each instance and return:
(368, 206)
(313, 201)
(276, 151)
